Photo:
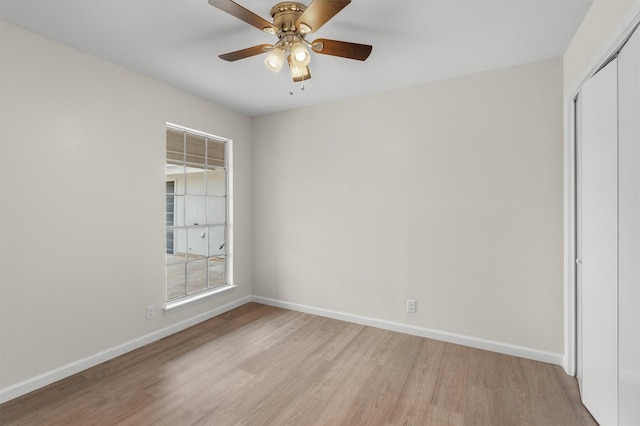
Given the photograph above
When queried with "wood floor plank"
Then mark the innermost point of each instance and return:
(260, 365)
(511, 391)
(414, 403)
(383, 387)
(452, 380)
(480, 394)
(274, 365)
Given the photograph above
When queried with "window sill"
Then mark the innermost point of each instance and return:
(185, 302)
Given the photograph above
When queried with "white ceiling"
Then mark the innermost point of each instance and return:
(414, 41)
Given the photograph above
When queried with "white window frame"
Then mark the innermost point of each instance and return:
(188, 300)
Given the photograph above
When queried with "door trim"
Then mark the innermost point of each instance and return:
(615, 42)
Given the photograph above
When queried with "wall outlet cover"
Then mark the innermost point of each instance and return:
(151, 311)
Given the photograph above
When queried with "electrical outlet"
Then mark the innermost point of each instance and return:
(151, 311)
(411, 306)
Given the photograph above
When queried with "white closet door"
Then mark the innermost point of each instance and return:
(599, 204)
(629, 231)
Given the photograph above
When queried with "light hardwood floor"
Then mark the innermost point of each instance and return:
(260, 365)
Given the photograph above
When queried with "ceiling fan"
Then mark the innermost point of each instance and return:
(291, 23)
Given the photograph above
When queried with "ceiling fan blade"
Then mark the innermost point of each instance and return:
(246, 15)
(318, 13)
(343, 49)
(245, 53)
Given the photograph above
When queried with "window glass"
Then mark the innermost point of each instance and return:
(196, 213)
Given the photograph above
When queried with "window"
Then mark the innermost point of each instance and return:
(196, 214)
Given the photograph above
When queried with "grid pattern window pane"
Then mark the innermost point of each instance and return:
(196, 212)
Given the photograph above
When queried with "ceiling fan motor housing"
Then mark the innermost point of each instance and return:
(285, 15)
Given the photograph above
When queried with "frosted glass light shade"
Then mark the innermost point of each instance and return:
(300, 54)
(275, 59)
(298, 73)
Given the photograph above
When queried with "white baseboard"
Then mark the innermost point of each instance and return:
(49, 377)
(459, 339)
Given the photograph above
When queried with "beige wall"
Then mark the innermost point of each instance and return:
(449, 193)
(82, 247)
(594, 36)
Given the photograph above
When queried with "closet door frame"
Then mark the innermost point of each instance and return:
(615, 43)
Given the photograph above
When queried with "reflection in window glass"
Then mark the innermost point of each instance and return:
(196, 212)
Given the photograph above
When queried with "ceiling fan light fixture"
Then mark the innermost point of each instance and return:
(275, 59)
(300, 55)
(298, 72)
